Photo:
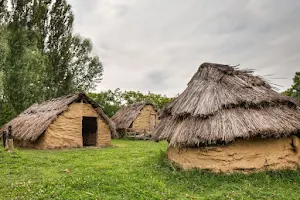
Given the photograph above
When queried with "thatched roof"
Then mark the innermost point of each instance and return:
(221, 104)
(127, 114)
(30, 124)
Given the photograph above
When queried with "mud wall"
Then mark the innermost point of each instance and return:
(104, 134)
(103, 131)
(66, 130)
(142, 122)
(243, 156)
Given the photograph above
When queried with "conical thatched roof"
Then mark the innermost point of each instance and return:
(221, 104)
(127, 114)
(30, 124)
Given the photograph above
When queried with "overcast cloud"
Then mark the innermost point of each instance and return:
(157, 45)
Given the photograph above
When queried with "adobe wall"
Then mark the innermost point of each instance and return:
(104, 134)
(103, 131)
(243, 156)
(66, 130)
(142, 121)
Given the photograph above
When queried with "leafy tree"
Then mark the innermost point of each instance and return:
(131, 97)
(112, 101)
(24, 66)
(71, 66)
(44, 58)
(58, 49)
(4, 12)
(4, 49)
(86, 70)
(136, 96)
(24, 72)
(294, 90)
(158, 100)
(6, 110)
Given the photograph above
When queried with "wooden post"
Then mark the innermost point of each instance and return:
(10, 140)
(4, 134)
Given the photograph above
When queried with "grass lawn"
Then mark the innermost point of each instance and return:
(130, 170)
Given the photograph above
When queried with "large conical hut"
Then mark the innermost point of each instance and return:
(69, 121)
(230, 120)
(139, 117)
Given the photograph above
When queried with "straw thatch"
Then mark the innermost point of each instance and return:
(221, 104)
(127, 114)
(30, 124)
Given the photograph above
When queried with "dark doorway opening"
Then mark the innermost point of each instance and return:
(89, 131)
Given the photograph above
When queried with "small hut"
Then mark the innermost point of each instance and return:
(136, 118)
(69, 121)
(229, 120)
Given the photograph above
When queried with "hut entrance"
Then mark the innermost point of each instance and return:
(152, 122)
(89, 131)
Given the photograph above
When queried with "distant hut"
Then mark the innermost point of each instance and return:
(69, 121)
(138, 117)
(230, 120)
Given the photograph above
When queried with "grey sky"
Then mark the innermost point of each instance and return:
(157, 45)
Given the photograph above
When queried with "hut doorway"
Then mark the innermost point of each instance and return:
(89, 131)
(152, 122)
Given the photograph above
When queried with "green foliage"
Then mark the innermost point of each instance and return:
(24, 71)
(86, 70)
(131, 97)
(112, 101)
(3, 47)
(3, 12)
(6, 109)
(294, 90)
(71, 66)
(6, 112)
(129, 170)
(136, 96)
(158, 100)
(40, 57)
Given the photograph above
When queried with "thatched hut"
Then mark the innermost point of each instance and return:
(230, 120)
(69, 121)
(138, 117)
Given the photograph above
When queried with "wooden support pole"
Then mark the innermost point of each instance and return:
(4, 135)
(10, 140)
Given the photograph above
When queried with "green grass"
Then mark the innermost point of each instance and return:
(130, 170)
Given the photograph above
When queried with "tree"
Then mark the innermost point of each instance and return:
(131, 97)
(24, 66)
(4, 49)
(44, 58)
(136, 96)
(112, 101)
(3, 12)
(6, 110)
(71, 66)
(70, 63)
(24, 72)
(160, 101)
(86, 70)
(294, 90)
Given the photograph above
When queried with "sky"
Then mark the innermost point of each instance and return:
(157, 45)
